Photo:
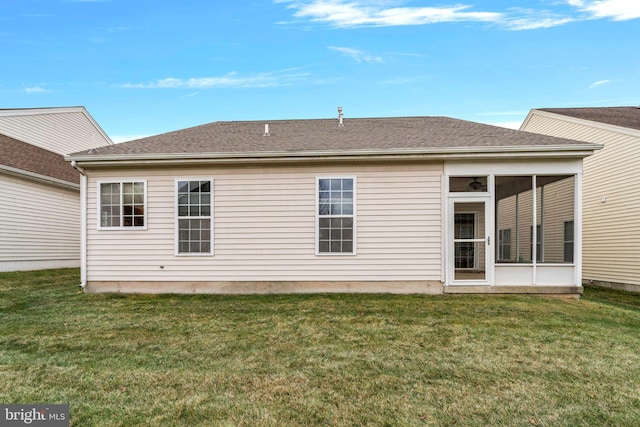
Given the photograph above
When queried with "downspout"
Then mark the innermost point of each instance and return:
(83, 224)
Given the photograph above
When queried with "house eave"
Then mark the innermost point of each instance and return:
(585, 122)
(39, 177)
(456, 153)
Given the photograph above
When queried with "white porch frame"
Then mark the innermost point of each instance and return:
(486, 241)
(530, 274)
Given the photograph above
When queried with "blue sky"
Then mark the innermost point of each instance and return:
(145, 67)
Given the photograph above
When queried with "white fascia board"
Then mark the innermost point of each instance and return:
(584, 122)
(563, 151)
(38, 177)
(526, 120)
(97, 126)
(35, 111)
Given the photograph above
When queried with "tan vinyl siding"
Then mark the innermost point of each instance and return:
(37, 222)
(61, 132)
(611, 200)
(265, 227)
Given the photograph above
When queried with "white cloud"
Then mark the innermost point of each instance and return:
(618, 10)
(36, 89)
(599, 83)
(340, 13)
(381, 13)
(357, 55)
(281, 78)
(535, 21)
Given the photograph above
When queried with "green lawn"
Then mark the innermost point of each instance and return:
(319, 359)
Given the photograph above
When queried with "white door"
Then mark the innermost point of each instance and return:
(470, 249)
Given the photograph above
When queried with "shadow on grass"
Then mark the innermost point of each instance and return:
(599, 294)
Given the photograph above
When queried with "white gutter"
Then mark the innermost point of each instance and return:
(83, 224)
(39, 177)
(455, 153)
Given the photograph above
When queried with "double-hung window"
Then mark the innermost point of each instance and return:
(568, 241)
(504, 244)
(336, 210)
(194, 208)
(122, 204)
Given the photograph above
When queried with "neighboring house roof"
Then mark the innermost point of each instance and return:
(62, 130)
(18, 157)
(628, 117)
(324, 137)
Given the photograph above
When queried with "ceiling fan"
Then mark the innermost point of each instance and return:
(475, 184)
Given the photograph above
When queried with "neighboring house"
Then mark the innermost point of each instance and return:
(403, 205)
(39, 190)
(611, 200)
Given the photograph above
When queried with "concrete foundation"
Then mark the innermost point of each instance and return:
(392, 287)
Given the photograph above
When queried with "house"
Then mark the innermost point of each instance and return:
(39, 190)
(402, 205)
(611, 235)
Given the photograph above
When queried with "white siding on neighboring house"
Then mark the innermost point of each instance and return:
(611, 198)
(265, 226)
(61, 130)
(39, 225)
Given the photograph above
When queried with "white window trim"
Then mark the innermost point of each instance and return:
(120, 181)
(354, 215)
(177, 218)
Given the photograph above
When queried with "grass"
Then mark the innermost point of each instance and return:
(186, 360)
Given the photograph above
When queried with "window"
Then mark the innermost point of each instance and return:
(195, 209)
(568, 241)
(504, 244)
(122, 204)
(336, 216)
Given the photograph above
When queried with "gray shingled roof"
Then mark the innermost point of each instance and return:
(628, 117)
(384, 134)
(20, 155)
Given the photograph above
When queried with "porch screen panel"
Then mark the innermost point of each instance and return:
(514, 218)
(556, 211)
(547, 225)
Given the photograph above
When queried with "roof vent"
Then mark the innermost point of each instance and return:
(340, 121)
(92, 151)
(266, 130)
